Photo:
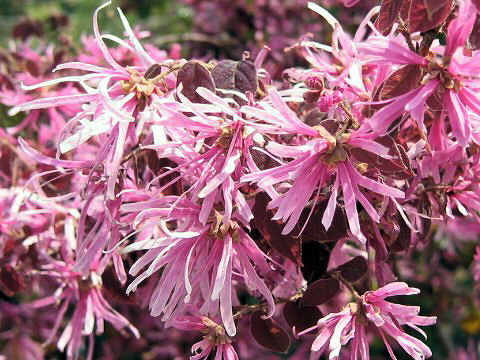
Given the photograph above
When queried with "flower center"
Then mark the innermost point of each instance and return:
(218, 229)
(215, 333)
(144, 86)
(440, 71)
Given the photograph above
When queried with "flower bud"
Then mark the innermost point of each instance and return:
(314, 81)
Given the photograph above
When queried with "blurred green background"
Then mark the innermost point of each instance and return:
(159, 17)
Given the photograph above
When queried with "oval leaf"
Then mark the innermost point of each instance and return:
(246, 77)
(320, 292)
(397, 167)
(389, 11)
(354, 269)
(268, 333)
(315, 231)
(300, 317)
(401, 81)
(423, 17)
(193, 75)
(315, 257)
(287, 245)
(223, 74)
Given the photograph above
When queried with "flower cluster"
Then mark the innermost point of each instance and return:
(208, 193)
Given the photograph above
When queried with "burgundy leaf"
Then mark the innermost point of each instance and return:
(389, 11)
(311, 96)
(433, 6)
(331, 125)
(354, 269)
(246, 77)
(235, 75)
(287, 245)
(402, 241)
(10, 281)
(26, 28)
(474, 39)
(398, 167)
(315, 231)
(114, 289)
(153, 71)
(420, 19)
(477, 4)
(300, 317)
(320, 292)
(223, 74)
(154, 162)
(262, 160)
(32, 67)
(315, 257)
(435, 101)
(313, 117)
(268, 333)
(401, 81)
(194, 75)
(425, 208)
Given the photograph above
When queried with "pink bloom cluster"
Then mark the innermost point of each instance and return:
(208, 192)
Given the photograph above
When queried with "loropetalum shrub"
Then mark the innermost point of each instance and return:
(252, 213)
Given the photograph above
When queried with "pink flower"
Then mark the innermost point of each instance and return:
(211, 160)
(337, 329)
(91, 309)
(448, 72)
(320, 157)
(199, 261)
(215, 338)
(115, 106)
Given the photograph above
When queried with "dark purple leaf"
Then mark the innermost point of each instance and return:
(311, 96)
(320, 292)
(153, 71)
(331, 126)
(315, 231)
(26, 28)
(300, 317)
(10, 280)
(421, 19)
(246, 77)
(194, 75)
(402, 241)
(57, 60)
(262, 160)
(398, 167)
(313, 117)
(315, 257)
(354, 269)
(401, 81)
(223, 74)
(435, 101)
(268, 333)
(235, 75)
(287, 245)
(32, 67)
(114, 289)
(433, 6)
(389, 11)
(154, 162)
(474, 39)
(425, 208)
